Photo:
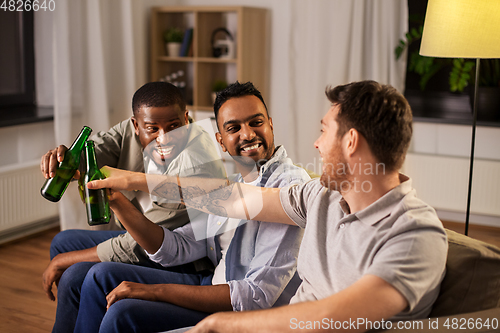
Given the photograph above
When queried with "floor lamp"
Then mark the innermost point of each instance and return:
(463, 29)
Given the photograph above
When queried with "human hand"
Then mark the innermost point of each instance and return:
(208, 324)
(117, 180)
(135, 290)
(50, 161)
(51, 275)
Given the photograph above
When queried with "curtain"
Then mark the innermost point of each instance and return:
(332, 43)
(94, 77)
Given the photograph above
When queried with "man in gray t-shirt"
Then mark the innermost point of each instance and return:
(371, 250)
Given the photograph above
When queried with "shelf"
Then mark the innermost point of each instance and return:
(249, 29)
(197, 59)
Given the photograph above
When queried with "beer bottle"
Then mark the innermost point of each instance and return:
(53, 188)
(96, 201)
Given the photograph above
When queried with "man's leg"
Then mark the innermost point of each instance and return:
(104, 277)
(68, 296)
(136, 315)
(75, 239)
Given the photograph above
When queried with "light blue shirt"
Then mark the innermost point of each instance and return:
(261, 260)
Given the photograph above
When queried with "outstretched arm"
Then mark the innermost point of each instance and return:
(210, 195)
(369, 299)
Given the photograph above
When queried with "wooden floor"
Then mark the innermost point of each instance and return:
(24, 307)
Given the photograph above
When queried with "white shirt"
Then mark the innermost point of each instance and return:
(226, 235)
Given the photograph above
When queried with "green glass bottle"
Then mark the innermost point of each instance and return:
(96, 201)
(53, 188)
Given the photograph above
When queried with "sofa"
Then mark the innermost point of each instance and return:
(469, 300)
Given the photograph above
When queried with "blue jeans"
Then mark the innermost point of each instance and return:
(133, 315)
(70, 284)
(68, 289)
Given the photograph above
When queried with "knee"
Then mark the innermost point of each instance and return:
(120, 317)
(102, 275)
(72, 279)
(61, 241)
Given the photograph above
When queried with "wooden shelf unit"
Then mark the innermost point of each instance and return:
(249, 28)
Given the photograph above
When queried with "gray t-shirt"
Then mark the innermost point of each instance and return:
(398, 238)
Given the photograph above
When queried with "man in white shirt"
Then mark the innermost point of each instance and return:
(371, 252)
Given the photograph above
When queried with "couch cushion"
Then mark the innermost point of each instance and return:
(472, 280)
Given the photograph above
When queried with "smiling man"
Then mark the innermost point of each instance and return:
(372, 251)
(160, 128)
(255, 261)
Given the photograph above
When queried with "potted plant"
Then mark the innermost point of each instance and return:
(461, 75)
(218, 86)
(462, 71)
(173, 40)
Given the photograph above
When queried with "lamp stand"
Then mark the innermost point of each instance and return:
(472, 145)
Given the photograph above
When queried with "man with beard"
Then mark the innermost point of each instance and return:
(255, 261)
(159, 128)
(371, 252)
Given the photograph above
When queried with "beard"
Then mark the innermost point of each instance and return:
(336, 176)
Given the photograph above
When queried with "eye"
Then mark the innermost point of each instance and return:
(174, 126)
(152, 129)
(257, 123)
(232, 129)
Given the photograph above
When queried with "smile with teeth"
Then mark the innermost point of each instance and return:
(164, 150)
(248, 148)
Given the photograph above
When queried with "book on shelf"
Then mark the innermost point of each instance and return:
(186, 42)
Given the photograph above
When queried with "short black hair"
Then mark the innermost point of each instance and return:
(158, 94)
(380, 113)
(236, 90)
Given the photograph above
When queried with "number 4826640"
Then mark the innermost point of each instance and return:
(28, 5)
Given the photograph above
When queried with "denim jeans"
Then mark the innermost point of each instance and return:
(69, 287)
(133, 315)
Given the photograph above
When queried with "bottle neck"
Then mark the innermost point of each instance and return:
(91, 159)
(81, 139)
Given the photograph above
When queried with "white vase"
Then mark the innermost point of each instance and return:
(173, 49)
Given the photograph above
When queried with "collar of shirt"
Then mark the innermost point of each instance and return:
(383, 207)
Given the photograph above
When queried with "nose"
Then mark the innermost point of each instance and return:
(247, 133)
(162, 137)
(316, 144)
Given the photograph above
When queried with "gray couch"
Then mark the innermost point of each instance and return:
(470, 292)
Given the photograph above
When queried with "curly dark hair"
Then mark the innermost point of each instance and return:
(158, 94)
(237, 90)
(380, 113)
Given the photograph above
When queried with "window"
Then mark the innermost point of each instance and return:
(436, 103)
(17, 65)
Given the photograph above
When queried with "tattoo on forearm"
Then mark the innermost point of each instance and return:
(197, 197)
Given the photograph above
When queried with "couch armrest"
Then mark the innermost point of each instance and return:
(466, 322)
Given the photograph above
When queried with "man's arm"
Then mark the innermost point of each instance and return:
(369, 299)
(200, 298)
(211, 195)
(146, 233)
(61, 262)
(150, 237)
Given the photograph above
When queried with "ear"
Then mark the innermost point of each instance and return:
(219, 140)
(352, 142)
(136, 125)
(271, 123)
(186, 118)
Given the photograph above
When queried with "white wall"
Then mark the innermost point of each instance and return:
(27, 142)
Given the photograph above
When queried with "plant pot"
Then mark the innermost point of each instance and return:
(488, 103)
(173, 49)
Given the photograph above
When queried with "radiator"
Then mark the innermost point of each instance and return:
(22, 208)
(442, 182)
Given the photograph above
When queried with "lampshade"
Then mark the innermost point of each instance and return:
(462, 29)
